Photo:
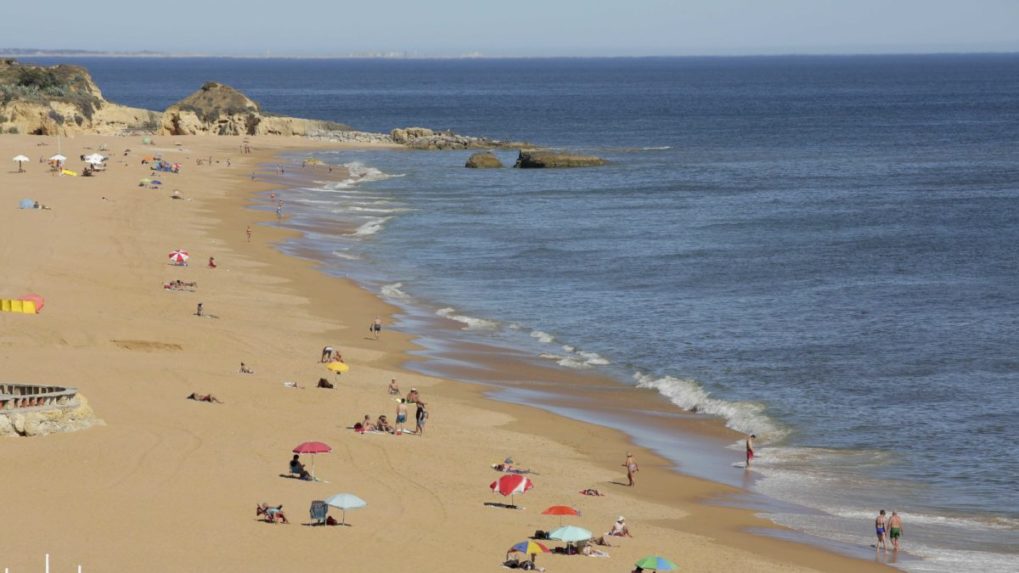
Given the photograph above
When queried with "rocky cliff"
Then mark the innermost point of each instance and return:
(62, 100)
(222, 110)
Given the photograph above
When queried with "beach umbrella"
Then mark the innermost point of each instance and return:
(510, 485)
(312, 448)
(656, 563)
(179, 257)
(530, 547)
(345, 501)
(26, 204)
(21, 159)
(38, 300)
(338, 367)
(58, 158)
(570, 534)
(561, 510)
(94, 159)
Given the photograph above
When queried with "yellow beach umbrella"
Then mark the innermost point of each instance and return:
(338, 367)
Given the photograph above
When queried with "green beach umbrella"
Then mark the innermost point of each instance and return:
(656, 563)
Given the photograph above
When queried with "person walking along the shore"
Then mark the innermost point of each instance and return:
(631, 468)
(376, 328)
(895, 529)
(750, 449)
(880, 524)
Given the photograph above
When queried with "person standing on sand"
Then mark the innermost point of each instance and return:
(249, 233)
(199, 309)
(401, 417)
(750, 449)
(420, 416)
(895, 529)
(631, 468)
(376, 328)
(880, 524)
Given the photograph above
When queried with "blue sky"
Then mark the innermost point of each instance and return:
(521, 27)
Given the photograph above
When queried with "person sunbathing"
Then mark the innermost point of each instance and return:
(600, 540)
(365, 425)
(510, 469)
(245, 369)
(271, 513)
(382, 425)
(591, 491)
(203, 398)
(592, 552)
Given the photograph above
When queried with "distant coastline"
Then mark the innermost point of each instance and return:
(477, 55)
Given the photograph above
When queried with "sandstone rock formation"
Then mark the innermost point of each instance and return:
(221, 110)
(541, 158)
(483, 160)
(61, 100)
(424, 138)
(77, 416)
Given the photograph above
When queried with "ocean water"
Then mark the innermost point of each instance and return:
(819, 250)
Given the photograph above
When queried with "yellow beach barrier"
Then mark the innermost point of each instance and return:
(20, 306)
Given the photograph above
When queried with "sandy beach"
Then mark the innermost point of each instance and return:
(170, 484)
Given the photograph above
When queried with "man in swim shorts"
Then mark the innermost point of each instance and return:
(376, 328)
(750, 449)
(879, 528)
(401, 416)
(895, 530)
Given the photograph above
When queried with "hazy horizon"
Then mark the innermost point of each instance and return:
(529, 28)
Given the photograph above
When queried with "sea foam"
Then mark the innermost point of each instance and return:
(371, 227)
(470, 322)
(745, 417)
(394, 291)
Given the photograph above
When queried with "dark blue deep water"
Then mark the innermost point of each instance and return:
(822, 250)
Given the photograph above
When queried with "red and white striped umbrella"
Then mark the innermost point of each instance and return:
(179, 257)
(511, 485)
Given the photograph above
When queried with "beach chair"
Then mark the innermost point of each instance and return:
(319, 512)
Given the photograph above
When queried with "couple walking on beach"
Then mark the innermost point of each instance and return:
(888, 527)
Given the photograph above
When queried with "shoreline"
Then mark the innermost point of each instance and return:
(163, 468)
(701, 431)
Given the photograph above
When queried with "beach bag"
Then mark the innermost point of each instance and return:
(540, 534)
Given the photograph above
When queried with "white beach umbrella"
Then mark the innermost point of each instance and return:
(58, 157)
(21, 159)
(345, 501)
(94, 159)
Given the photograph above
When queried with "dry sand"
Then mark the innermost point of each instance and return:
(169, 484)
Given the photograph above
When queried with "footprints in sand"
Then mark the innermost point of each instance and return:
(148, 345)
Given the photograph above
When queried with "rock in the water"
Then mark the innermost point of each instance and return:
(543, 159)
(483, 160)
